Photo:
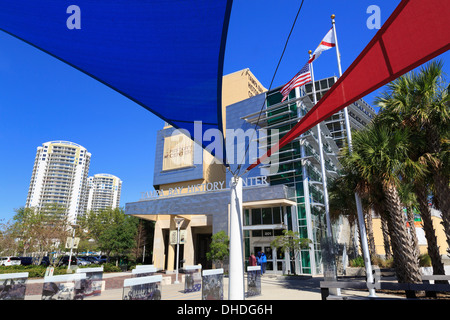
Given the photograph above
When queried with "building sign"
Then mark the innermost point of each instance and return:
(72, 243)
(173, 237)
(200, 188)
(254, 88)
(178, 152)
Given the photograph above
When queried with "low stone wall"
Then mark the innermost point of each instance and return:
(111, 281)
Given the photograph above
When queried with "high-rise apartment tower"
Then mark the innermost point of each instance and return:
(59, 177)
(104, 192)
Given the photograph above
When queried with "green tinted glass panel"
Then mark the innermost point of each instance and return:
(256, 216)
(267, 215)
(276, 215)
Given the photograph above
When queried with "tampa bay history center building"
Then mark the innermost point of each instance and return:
(285, 194)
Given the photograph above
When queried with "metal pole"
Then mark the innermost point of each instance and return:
(71, 247)
(322, 160)
(333, 272)
(143, 255)
(338, 55)
(178, 221)
(236, 269)
(362, 227)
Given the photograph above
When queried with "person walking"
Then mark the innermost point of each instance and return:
(258, 260)
(263, 262)
(252, 260)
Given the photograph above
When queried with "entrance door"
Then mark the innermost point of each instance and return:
(203, 246)
(268, 252)
(180, 257)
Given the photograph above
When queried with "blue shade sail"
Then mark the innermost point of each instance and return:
(167, 56)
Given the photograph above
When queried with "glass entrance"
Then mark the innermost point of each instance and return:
(268, 252)
(203, 246)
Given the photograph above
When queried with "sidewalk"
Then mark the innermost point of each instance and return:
(272, 288)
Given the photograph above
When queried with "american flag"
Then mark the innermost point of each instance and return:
(301, 78)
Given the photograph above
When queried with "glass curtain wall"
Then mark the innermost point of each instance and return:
(290, 173)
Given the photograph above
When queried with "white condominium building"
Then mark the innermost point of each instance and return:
(104, 192)
(60, 177)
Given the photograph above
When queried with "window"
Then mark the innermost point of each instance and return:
(308, 88)
(256, 216)
(267, 215)
(256, 233)
(276, 215)
(330, 82)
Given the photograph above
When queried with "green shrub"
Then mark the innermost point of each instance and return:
(425, 260)
(382, 263)
(109, 267)
(357, 262)
(33, 271)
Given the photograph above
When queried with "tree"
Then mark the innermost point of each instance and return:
(143, 239)
(409, 200)
(219, 248)
(112, 229)
(7, 243)
(291, 242)
(41, 229)
(379, 156)
(342, 201)
(420, 102)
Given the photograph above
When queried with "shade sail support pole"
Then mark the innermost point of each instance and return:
(359, 209)
(236, 268)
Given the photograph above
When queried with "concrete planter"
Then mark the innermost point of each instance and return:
(361, 272)
(355, 272)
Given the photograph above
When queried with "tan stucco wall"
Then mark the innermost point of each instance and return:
(439, 229)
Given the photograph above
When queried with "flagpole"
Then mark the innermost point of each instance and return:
(322, 159)
(362, 227)
(338, 55)
(333, 273)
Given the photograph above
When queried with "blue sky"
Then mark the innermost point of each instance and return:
(42, 99)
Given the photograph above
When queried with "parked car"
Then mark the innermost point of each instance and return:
(64, 261)
(92, 259)
(45, 261)
(82, 262)
(10, 261)
(26, 261)
(102, 259)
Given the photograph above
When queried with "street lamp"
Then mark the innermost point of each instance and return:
(74, 226)
(179, 222)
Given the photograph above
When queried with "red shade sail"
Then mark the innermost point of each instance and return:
(416, 32)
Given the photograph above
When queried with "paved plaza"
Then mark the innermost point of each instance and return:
(272, 288)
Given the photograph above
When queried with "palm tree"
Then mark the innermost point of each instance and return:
(386, 238)
(409, 201)
(342, 202)
(378, 203)
(420, 101)
(421, 191)
(379, 156)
